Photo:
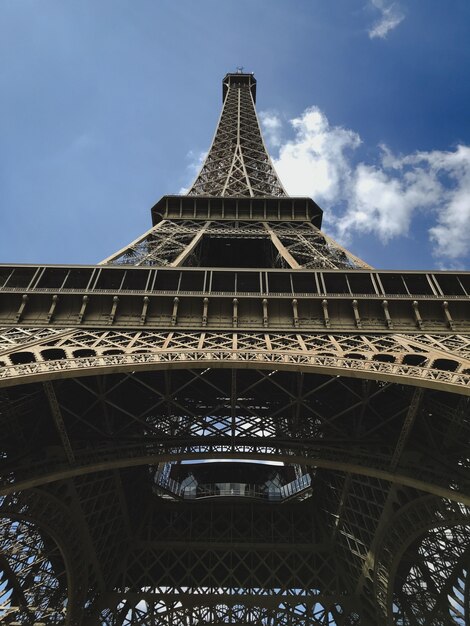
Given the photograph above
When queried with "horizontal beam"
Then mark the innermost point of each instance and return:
(243, 208)
(136, 297)
(104, 461)
(189, 544)
(329, 365)
(235, 281)
(221, 312)
(266, 598)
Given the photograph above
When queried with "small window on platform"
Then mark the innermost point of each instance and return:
(224, 281)
(167, 280)
(53, 278)
(304, 282)
(418, 284)
(135, 280)
(393, 284)
(192, 281)
(21, 277)
(53, 354)
(361, 283)
(110, 279)
(335, 283)
(445, 364)
(18, 358)
(414, 359)
(78, 278)
(279, 282)
(450, 284)
(248, 282)
(384, 358)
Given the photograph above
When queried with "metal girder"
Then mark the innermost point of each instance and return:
(59, 420)
(234, 330)
(407, 426)
(451, 376)
(193, 298)
(422, 563)
(237, 163)
(43, 563)
(231, 425)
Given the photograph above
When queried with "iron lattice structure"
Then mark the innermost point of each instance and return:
(238, 163)
(234, 420)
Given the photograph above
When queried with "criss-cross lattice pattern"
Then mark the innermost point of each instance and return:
(237, 163)
(428, 360)
(158, 555)
(43, 569)
(172, 474)
(434, 587)
(421, 569)
(299, 245)
(142, 554)
(162, 614)
(28, 578)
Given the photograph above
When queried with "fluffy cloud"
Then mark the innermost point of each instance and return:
(390, 17)
(315, 163)
(381, 198)
(272, 126)
(195, 163)
(451, 234)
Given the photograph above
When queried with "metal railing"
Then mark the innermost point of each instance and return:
(238, 490)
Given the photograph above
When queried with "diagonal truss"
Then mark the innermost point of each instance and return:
(123, 497)
(237, 163)
(297, 245)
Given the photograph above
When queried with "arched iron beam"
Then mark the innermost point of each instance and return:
(455, 382)
(39, 508)
(66, 471)
(412, 521)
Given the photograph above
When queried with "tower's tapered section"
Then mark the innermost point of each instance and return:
(234, 420)
(237, 212)
(237, 163)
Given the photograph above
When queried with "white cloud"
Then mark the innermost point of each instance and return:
(196, 159)
(271, 125)
(315, 163)
(451, 234)
(381, 198)
(391, 16)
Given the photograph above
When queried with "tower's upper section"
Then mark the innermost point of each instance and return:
(237, 163)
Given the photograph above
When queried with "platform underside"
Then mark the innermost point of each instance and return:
(379, 456)
(234, 420)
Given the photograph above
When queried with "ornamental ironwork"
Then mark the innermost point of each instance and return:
(234, 420)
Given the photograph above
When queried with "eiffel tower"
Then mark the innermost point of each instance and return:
(234, 420)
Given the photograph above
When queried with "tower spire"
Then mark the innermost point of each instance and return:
(331, 400)
(238, 163)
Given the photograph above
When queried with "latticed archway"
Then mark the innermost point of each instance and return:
(234, 420)
(421, 569)
(43, 562)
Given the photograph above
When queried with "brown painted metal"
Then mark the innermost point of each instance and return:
(234, 330)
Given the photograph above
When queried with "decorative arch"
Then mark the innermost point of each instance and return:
(422, 566)
(43, 569)
(446, 380)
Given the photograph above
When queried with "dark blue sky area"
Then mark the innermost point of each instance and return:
(106, 105)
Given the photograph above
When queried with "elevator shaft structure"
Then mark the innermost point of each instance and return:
(234, 420)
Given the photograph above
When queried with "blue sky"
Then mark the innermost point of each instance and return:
(108, 104)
